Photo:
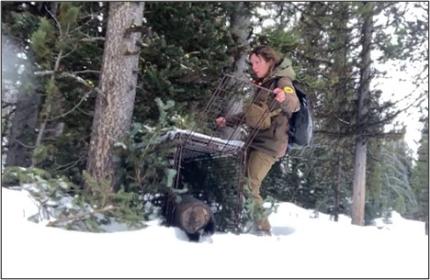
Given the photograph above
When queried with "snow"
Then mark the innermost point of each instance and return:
(303, 245)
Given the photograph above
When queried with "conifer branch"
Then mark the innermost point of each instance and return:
(85, 97)
(69, 165)
(48, 108)
(43, 73)
(72, 76)
(92, 39)
(24, 145)
(56, 21)
(71, 51)
(58, 60)
(81, 81)
(86, 71)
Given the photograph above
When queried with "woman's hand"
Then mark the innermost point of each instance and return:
(280, 95)
(220, 122)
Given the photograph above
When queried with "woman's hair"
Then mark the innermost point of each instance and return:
(267, 53)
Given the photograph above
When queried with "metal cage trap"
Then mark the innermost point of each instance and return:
(206, 142)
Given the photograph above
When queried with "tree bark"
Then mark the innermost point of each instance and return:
(337, 188)
(359, 179)
(240, 31)
(114, 106)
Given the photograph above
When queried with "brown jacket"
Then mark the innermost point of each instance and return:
(274, 140)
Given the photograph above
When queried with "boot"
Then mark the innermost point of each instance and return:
(263, 227)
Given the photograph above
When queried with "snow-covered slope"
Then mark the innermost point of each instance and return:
(303, 245)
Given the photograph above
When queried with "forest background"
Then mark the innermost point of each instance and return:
(88, 86)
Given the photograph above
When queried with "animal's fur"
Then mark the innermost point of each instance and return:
(191, 215)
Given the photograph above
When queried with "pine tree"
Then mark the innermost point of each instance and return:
(375, 115)
(420, 176)
(62, 93)
(336, 113)
(389, 183)
(186, 52)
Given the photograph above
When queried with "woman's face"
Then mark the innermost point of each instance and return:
(259, 66)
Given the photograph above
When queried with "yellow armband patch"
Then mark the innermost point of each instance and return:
(288, 90)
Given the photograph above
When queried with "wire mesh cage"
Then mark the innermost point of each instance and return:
(210, 161)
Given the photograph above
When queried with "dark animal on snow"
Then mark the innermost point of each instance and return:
(190, 214)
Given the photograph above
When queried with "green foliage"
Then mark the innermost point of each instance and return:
(65, 205)
(120, 206)
(144, 163)
(389, 185)
(42, 153)
(184, 55)
(145, 172)
(52, 100)
(68, 15)
(144, 158)
(15, 175)
(42, 41)
(18, 24)
(62, 95)
(420, 176)
(285, 42)
(100, 192)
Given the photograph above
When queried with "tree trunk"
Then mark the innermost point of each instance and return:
(114, 107)
(337, 189)
(359, 183)
(359, 179)
(240, 30)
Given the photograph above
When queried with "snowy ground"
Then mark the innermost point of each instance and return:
(302, 246)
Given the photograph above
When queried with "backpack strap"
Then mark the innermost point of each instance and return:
(271, 83)
(275, 112)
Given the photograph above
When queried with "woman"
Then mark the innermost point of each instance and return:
(273, 72)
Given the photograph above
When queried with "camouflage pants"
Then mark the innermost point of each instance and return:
(258, 165)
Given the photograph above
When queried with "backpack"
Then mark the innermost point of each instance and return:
(301, 122)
